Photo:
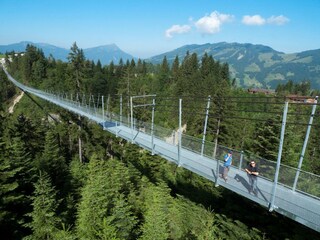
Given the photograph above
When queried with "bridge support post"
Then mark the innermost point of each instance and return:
(173, 137)
(131, 118)
(283, 127)
(152, 125)
(95, 105)
(205, 126)
(241, 159)
(215, 153)
(78, 100)
(180, 132)
(216, 141)
(102, 103)
(108, 109)
(305, 143)
(121, 109)
(217, 173)
(117, 129)
(84, 101)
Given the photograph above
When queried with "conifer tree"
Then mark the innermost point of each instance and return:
(266, 139)
(29, 58)
(189, 75)
(119, 72)
(31, 136)
(164, 75)
(157, 202)
(104, 205)
(15, 182)
(54, 163)
(8, 194)
(21, 159)
(99, 84)
(175, 69)
(7, 90)
(122, 218)
(22, 164)
(111, 78)
(208, 76)
(77, 60)
(141, 68)
(44, 219)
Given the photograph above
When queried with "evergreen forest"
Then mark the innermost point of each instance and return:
(63, 177)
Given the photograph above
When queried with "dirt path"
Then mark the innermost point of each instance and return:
(15, 101)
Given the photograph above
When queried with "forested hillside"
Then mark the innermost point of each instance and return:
(251, 65)
(63, 177)
(254, 65)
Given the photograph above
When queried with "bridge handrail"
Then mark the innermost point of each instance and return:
(308, 183)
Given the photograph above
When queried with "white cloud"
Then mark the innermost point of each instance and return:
(253, 20)
(211, 24)
(258, 20)
(177, 29)
(278, 20)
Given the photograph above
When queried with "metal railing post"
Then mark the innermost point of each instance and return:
(89, 104)
(241, 159)
(108, 109)
(180, 129)
(205, 126)
(78, 100)
(94, 105)
(217, 173)
(173, 134)
(152, 125)
(216, 141)
(116, 129)
(121, 109)
(131, 117)
(305, 143)
(283, 127)
(102, 100)
(84, 100)
(215, 153)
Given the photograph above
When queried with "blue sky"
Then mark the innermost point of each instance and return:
(144, 28)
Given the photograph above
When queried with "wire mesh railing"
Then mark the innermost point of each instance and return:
(300, 207)
(307, 183)
(240, 159)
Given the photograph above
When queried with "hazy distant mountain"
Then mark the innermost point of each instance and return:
(251, 65)
(256, 65)
(105, 54)
(56, 52)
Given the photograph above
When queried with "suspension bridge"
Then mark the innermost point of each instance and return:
(281, 188)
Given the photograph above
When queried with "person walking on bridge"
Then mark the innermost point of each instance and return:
(253, 173)
(226, 165)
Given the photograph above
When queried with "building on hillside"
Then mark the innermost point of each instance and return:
(19, 54)
(300, 99)
(261, 90)
(2, 60)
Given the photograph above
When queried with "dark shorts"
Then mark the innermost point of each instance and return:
(225, 171)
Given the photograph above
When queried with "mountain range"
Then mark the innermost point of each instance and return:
(251, 65)
(105, 54)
